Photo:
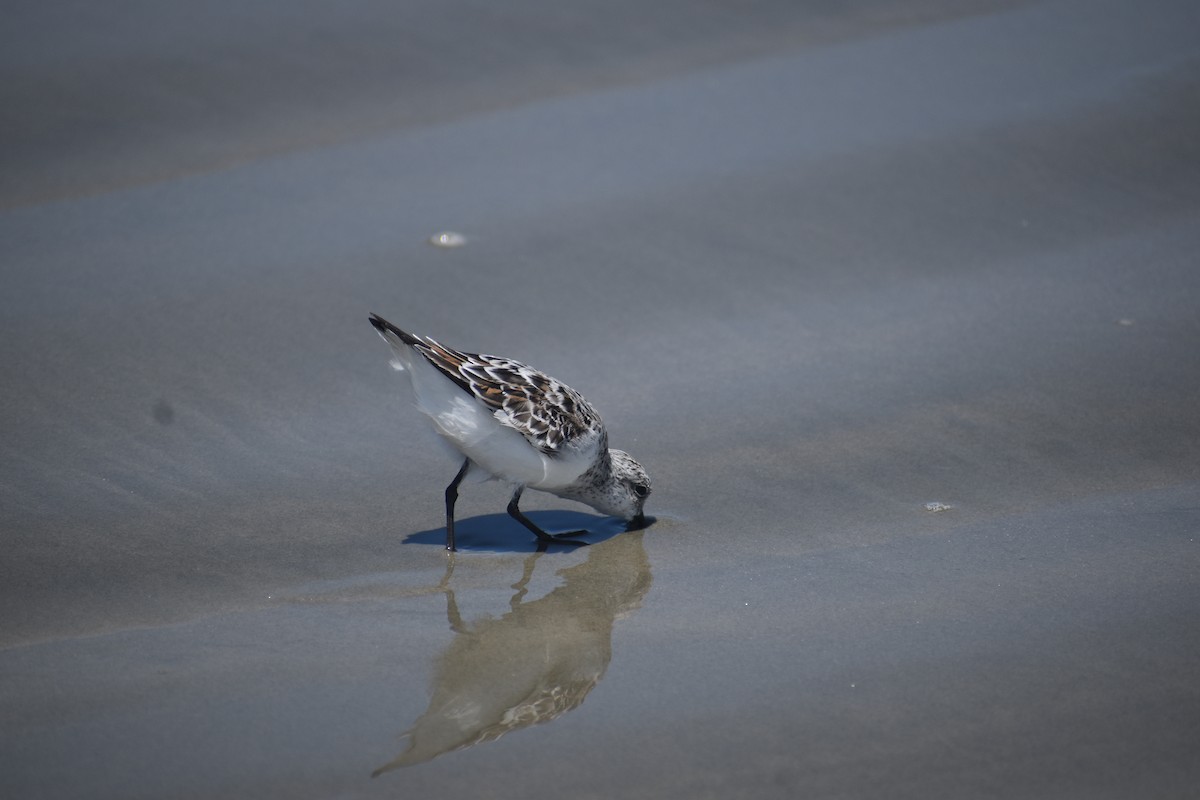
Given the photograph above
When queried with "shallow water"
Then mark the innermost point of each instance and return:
(901, 318)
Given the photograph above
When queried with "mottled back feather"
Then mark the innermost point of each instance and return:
(547, 412)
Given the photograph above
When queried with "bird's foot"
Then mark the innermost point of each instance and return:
(564, 538)
(571, 534)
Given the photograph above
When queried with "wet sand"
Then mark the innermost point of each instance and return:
(897, 305)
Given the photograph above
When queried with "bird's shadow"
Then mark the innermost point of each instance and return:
(501, 533)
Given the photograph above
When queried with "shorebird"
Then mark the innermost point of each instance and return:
(518, 425)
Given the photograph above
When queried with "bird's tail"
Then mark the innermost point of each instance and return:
(401, 342)
(387, 330)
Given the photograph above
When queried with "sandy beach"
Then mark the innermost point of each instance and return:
(899, 304)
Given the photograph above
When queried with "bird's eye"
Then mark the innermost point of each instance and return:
(641, 489)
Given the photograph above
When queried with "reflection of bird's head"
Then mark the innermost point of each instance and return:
(427, 738)
(534, 663)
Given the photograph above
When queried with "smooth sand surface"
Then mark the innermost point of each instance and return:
(898, 303)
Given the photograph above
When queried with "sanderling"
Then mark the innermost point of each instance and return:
(518, 425)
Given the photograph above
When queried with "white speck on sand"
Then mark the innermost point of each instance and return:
(447, 239)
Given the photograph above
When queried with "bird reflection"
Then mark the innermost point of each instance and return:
(536, 662)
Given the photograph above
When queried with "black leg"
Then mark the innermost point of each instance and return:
(543, 537)
(451, 497)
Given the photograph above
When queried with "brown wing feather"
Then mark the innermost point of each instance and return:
(547, 412)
